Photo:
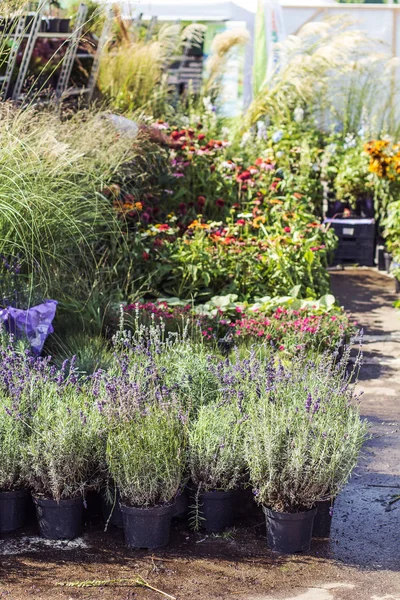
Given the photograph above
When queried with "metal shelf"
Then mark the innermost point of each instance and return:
(76, 91)
(48, 34)
(71, 39)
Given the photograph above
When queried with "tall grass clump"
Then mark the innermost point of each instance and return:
(133, 66)
(54, 217)
(337, 74)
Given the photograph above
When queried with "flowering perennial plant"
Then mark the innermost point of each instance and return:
(304, 433)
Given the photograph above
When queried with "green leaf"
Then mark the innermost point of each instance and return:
(327, 301)
(295, 291)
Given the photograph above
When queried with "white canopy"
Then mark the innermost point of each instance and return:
(197, 10)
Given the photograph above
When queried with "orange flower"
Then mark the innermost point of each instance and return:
(257, 221)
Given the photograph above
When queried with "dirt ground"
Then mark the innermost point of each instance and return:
(360, 562)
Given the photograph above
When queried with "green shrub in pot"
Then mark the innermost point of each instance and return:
(216, 462)
(13, 438)
(303, 440)
(146, 457)
(61, 460)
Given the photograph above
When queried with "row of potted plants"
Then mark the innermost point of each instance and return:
(289, 324)
(166, 412)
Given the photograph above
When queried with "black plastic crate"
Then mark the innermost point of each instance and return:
(356, 241)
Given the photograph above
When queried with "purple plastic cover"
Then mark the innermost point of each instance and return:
(35, 323)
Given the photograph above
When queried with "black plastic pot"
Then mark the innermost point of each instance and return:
(289, 532)
(217, 510)
(53, 25)
(112, 514)
(388, 261)
(322, 520)
(246, 508)
(181, 505)
(64, 25)
(59, 520)
(380, 258)
(92, 507)
(13, 510)
(147, 527)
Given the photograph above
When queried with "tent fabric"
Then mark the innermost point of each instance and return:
(205, 10)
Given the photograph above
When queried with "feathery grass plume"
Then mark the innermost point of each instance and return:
(53, 214)
(9, 7)
(337, 72)
(133, 69)
(222, 44)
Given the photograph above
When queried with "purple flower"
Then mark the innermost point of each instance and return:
(308, 402)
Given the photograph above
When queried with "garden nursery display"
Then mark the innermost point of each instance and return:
(169, 339)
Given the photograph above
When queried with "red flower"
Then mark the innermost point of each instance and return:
(145, 255)
(244, 176)
(201, 136)
(286, 229)
(163, 226)
(241, 222)
(176, 135)
(212, 168)
(158, 243)
(201, 201)
(220, 202)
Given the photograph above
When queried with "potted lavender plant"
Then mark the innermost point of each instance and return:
(146, 456)
(13, 437)
(61, 459)
(303, 440)
(216, 463)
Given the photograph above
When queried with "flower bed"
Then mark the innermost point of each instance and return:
(288, 325)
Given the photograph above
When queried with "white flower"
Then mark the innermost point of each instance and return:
(298, 114)
(228, 164)
(331, 149)
(261, 130)
(225, 132)
(208, 105)
(246, 137)
(349, 141)
(277, 136)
